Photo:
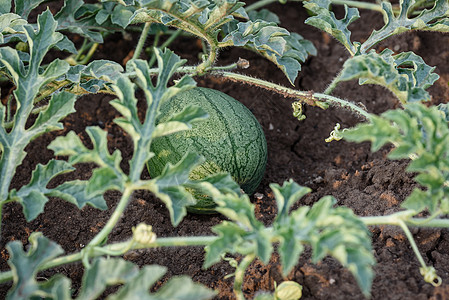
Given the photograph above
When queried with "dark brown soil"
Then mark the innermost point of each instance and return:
(366, 182)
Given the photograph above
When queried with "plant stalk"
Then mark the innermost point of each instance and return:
(412, 242)
(115, 217)
(308, 97)
(357, 4)
(331, 87)
(142, 39)
(165, 44)
(89, 54)
(99, 251)
(395, 219)
(117, 248)
(240, 275)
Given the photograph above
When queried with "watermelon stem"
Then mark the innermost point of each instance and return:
(240, 275)
(309, 97)
(142, 39)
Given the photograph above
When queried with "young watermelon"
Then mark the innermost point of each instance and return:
(231, 140)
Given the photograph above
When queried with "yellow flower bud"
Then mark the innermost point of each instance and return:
(288, 290)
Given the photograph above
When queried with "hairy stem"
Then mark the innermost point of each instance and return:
(308, 97)
(351, 106)
(115, 217)
(406, 217)
(89, 54)
(117, 247)
(331, 87)
(165, 44)
(142, 39)
(240, 276)
(359, 4)
(411, 240)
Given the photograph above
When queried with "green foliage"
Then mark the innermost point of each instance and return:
(25, 266)
(207, 19)
(9, 24)
(406, 75)
(434, 19)
(170, 186)
(197, 17)
(326, 21)
(421, 134)
(24, 7)
(117, 14)
(28, 80)
(263, 14)
(330, 231)
(46, 93)
(98, 276)
(109, 174)
(275, 43)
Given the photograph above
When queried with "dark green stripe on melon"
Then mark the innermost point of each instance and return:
(231, 140)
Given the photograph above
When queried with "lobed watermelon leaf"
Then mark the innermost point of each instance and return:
(421, 134)
(434, 19)
(325, 20)
(24, 7)
(25, 265)
(169, 186)
(198, 16)
(207, 20)
(10, 24)
(33, 196)
(329, 231)
(85, 26)
(142, 133)
(406, 74)
(286, 50)
(109, 175)
(29, 79)
(102, 273)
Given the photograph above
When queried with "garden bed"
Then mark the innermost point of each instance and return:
(366, 182)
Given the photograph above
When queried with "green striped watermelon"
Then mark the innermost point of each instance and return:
(231, 140)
